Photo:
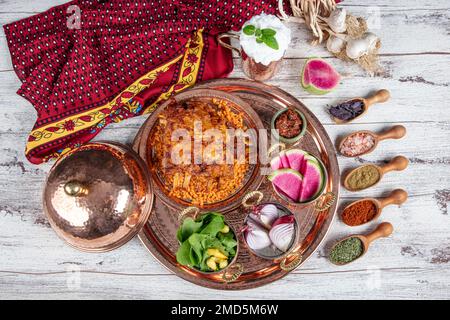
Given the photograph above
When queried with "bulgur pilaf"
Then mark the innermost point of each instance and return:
(207, 182)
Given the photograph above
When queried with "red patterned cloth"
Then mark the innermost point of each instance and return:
(119, 60)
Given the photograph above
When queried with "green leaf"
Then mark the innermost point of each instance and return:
(249, 30)
(184, 254)
(259, 40)
(271, 42)
(258, 33)
(227, 240)
(268, 32)
(197, 249)
(188, 228)
(198, 236)
(214, 226)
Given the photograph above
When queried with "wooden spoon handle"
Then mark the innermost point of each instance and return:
(384, 229)
(398, 196)
(380, 96)
(398, 163)
(396, 132)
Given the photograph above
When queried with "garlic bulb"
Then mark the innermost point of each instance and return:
(336, 20)
(335, 44)
(356, 48)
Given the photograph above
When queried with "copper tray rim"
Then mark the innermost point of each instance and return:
(174, 268)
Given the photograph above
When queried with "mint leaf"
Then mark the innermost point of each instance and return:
(249, 30)
(258, 33)
(259, 40)
(268, 32)
(271, 42)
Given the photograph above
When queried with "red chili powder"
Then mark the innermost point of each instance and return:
(359, 213)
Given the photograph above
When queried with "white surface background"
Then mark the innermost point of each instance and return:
(413, 263)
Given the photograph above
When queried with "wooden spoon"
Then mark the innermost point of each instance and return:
(397, 163)
(380, 96)
(395, 132)
(398, 196)
(384, 230)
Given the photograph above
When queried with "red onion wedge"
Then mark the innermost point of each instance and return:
(256, 237)
(282, 232)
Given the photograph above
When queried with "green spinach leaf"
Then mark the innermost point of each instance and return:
(184, 254)
(188, 228)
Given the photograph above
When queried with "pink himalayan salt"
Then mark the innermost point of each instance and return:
(357, 144)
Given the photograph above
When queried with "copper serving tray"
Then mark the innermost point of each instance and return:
(159, 234)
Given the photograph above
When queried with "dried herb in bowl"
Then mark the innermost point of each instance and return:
(347, 251)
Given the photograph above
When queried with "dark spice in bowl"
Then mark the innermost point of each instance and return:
(348, 110)
(289, 124)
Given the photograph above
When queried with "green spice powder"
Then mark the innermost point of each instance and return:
(363, 177)
(346, 251)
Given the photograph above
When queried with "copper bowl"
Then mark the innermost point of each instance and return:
(226, 274)
(253, 178)
(294, 241)
(319, 196)
(288, 260)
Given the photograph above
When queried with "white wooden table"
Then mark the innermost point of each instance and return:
(413, 263)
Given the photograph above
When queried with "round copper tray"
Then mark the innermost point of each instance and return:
(159, 234)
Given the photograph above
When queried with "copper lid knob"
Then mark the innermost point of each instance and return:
(98, 196)
(75, 189)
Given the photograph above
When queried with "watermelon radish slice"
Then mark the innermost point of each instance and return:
(275, 163)
(319, 77)
(284, 160)
(295, 158)
(280, 162)
(312, 181)
(288, 181)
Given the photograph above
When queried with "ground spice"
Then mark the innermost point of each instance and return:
(363, 177)
(359, 213)
(289, 124)
(357, 144)
(347, 250)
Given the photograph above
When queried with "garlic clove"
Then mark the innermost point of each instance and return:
(335, 44)
(356, 48)
(336, 20)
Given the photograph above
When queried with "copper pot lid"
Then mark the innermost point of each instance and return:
(98, 196)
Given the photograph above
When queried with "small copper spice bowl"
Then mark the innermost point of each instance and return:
(288, 260)
(288, 140)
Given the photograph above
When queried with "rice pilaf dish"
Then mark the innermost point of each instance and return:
(210, 180)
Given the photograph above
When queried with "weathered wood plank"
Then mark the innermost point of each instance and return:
(394, 283)
(409, 254)
(395, 27)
